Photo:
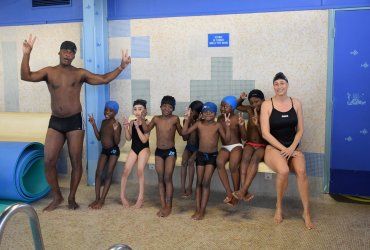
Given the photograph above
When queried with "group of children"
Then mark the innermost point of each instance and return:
(202, 132)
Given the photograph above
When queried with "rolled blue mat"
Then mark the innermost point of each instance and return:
(22, 176)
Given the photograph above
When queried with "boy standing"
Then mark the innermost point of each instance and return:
(209, 132)
(165, 154)
(110, 136)
(190, 153)
(254, 147)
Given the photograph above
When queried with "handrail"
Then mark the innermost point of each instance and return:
(33, 219)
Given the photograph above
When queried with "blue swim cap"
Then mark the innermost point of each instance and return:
(209, 106)
(231, 100)
(113, 105)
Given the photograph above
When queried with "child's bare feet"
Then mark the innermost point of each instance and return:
(189, 193)
(307, 221)
(278, 218)
(98, 205)
(231, 201)
(241, 196)
(54, 204)
(248, 197)
(238, 195)
(166, 211)
(139, 203)
(195, 215)
(72, 204)
(200, 216)
(184, 195)
(92, 204)
(125, 202)
(159, 213)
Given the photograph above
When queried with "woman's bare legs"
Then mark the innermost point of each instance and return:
(298, 164)
(278, 164)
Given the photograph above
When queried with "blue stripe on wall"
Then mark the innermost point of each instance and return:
(11, 73)
(125, 74)
(119, 28)
(140, 47)
(118, 9)
(20, 12)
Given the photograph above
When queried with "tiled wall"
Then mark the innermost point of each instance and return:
(170, 56)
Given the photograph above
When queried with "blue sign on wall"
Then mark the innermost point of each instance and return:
(218, 40)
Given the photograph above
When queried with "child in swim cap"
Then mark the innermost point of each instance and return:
(109, 135)
(139, 152)
(231, 151)
(209, 132)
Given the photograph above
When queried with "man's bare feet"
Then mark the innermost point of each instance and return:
(307, 221)
(92, 204)
(139, 203)
(54, 204)
(125, 202)
(278, 218)
(72, 204)
(98, 205)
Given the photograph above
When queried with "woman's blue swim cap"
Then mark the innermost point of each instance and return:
(231, 100)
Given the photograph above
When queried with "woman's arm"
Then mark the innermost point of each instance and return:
(299, 130)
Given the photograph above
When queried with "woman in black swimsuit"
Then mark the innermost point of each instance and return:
(282, 127)
(139, 152)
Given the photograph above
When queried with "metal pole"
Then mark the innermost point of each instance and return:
(33, 219)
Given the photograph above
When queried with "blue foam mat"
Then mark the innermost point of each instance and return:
(22, 175)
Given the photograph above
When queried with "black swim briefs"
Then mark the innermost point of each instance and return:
(66, 124)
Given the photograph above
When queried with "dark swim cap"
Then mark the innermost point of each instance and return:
(280, 75)
(140, 102)
(167, 99)
(196, 106)
(69, 45)
(256, 93)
